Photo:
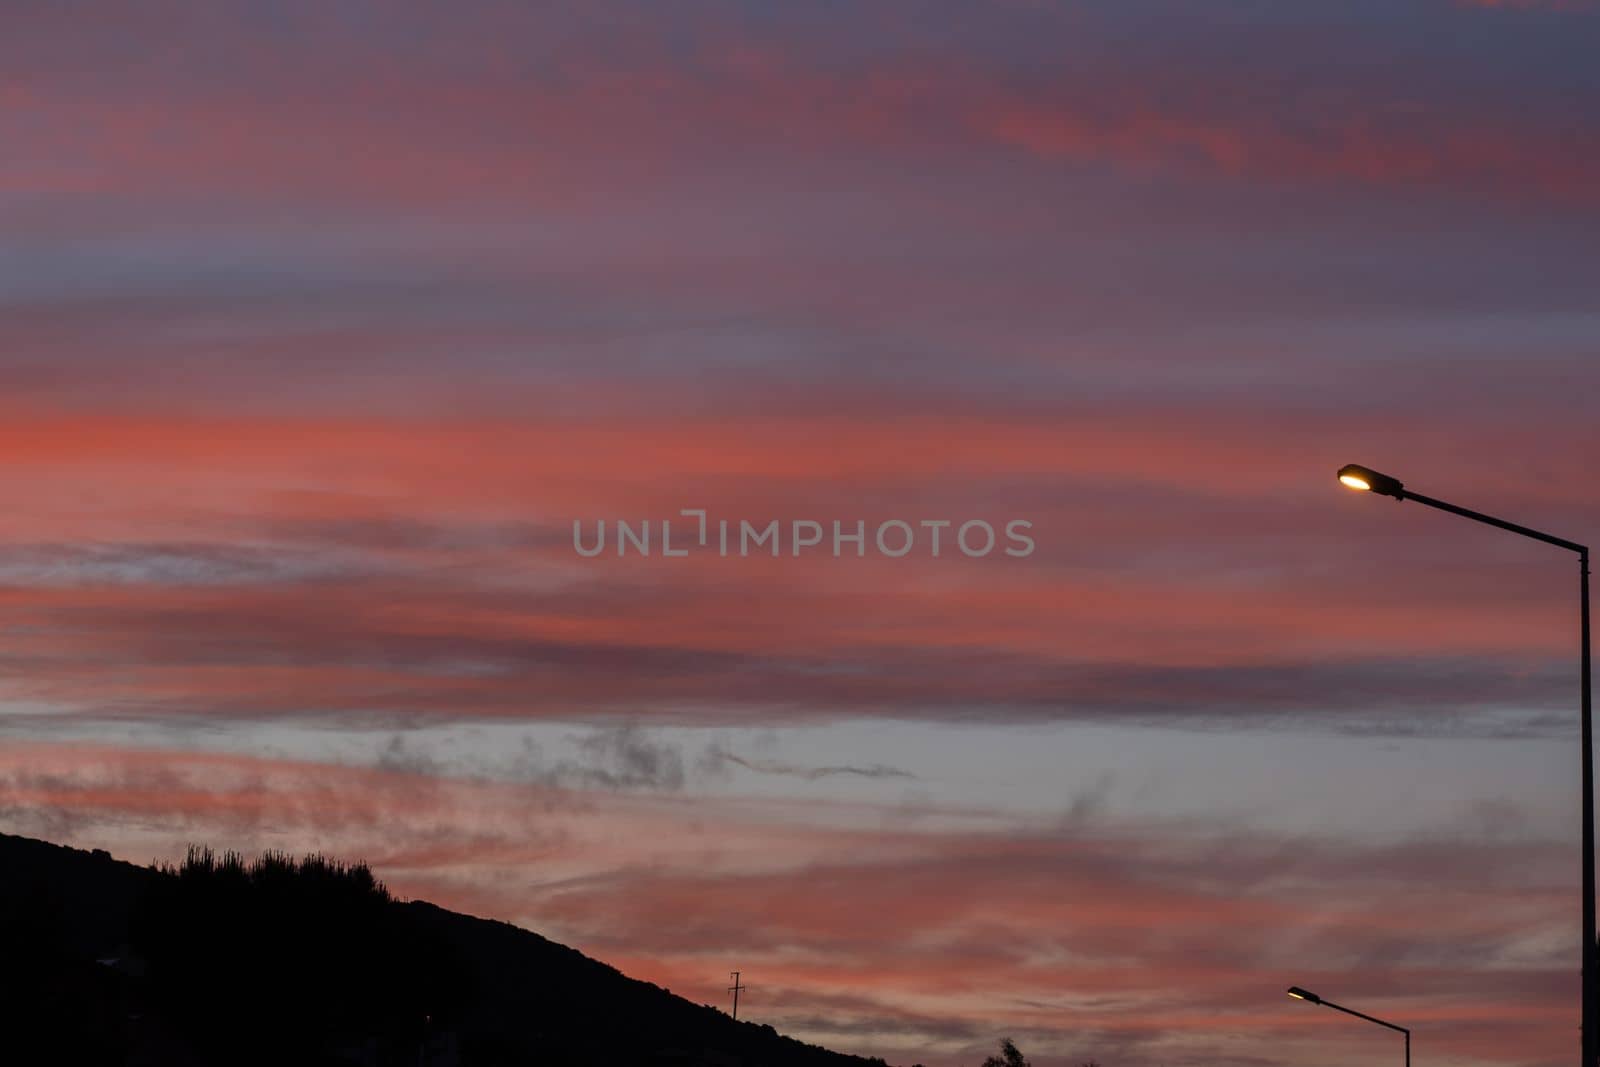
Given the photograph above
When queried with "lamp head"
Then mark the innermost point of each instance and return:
(1304, 994)
(1365, 479)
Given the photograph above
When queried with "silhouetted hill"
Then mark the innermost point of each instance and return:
(279, 961)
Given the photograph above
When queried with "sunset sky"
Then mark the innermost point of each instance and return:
(321, 322)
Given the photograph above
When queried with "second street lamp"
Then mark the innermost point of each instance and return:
(1366, 479)
(1311, 998)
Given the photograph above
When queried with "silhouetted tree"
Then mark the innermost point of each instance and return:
(1009, 1056)
(304, 956)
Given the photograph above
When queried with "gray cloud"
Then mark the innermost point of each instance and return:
(617, 757)
(719, 755)
(160, 563)
(623, 757)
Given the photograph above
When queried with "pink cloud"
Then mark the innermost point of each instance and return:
(345, 129)
(1135, 939)
(276, 565)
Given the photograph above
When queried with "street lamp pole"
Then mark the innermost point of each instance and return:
(1311, 998)
(1366, 479)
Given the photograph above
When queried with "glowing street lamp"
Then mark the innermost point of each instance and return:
(1365, 479)
(1311, 998)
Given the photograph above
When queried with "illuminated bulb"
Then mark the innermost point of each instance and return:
(1367, 480)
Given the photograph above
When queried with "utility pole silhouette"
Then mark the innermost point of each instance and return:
(734, 989)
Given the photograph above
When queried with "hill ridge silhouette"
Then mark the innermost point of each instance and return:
(277, 960)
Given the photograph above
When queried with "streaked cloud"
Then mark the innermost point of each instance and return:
(1070, 935)
(812, 774)
(319, 327)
